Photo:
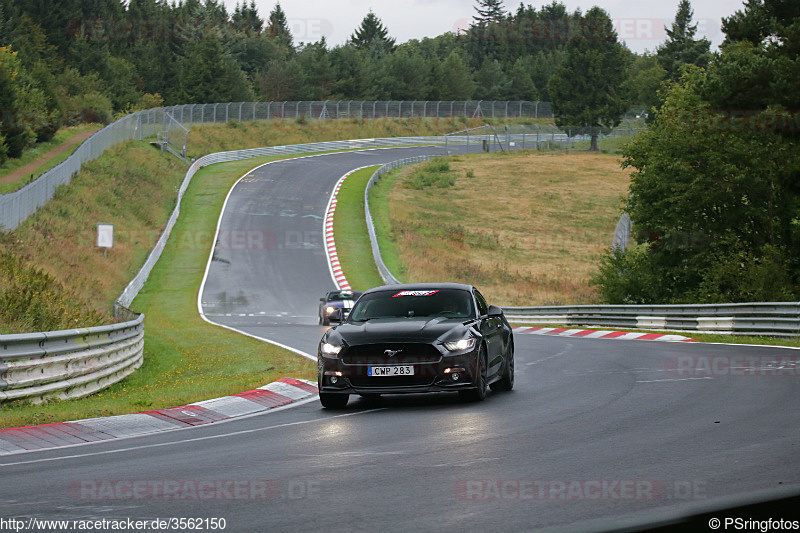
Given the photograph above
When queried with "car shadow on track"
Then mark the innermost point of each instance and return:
(426, 401)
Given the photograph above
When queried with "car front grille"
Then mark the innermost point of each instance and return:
(400, 381)
(406, 353)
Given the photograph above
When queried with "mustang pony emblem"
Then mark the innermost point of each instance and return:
(391, 353)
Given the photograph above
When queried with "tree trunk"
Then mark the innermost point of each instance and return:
(593, 145)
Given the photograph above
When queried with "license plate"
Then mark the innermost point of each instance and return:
(390, 371)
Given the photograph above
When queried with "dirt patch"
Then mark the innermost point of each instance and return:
(30, 168)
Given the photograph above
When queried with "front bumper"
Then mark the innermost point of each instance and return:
(449, 373)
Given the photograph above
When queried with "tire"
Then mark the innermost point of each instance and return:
(323, 321)
(333, 401)
(477, 394)
(506, 382)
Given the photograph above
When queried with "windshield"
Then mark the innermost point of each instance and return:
(450, 303)
(344, 295)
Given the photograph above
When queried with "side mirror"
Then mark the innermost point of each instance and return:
(495, 312)
(336, 315)
(322, 299)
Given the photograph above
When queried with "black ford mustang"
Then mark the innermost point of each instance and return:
(417, 338)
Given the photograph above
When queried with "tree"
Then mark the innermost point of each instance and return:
(488, 11)
(404, 76)
(585, 90)
(522, 86)
(457, 83)
(15, 101)
(281, 81)
(246, 21)
(372, 33)
(491, 82)
(278, 28)
(319, 77)
(643, 80)
(680, 47)
(710, 206)
(6, 27)
(763, 41)
(486, 37)
(715, 194)
(208, 75)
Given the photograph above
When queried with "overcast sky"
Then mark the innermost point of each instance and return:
(640, 23)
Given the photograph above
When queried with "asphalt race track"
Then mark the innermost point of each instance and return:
(596, 433)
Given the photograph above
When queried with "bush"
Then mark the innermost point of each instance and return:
(737, 274)
(434, 173)
(89, 108)
(630, 277)
(32, 300)
(3, 150)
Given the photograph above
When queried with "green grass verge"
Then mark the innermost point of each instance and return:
(379, 207)
(185, 359)
(350, 229)
(38, 151)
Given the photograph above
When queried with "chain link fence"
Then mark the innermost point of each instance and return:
(194, 114)
(538, 136)
(169, 127)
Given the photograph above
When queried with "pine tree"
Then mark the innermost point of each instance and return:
(585, 89)
(6, 27)
(278, 28)
(246, 20)
(681, 48)
(488, 11)
(457, 79)
(372, 33)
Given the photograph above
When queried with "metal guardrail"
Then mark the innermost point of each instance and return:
(778, 319)
(384, 271)
(70, 363)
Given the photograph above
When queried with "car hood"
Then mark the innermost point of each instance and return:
(421, 329)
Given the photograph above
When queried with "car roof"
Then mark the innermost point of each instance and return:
(421, 286)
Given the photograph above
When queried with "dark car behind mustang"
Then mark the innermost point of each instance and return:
(416, 338)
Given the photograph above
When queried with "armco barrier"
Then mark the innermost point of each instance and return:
(384, 271)
(70, 363)
(779, 319)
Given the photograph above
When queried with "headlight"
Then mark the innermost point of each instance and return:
(330, 349)
(460, 346)
(329, 310)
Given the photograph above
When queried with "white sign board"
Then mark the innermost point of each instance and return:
(105, 235)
